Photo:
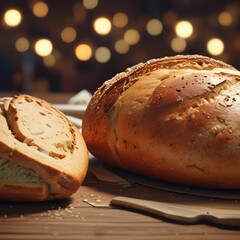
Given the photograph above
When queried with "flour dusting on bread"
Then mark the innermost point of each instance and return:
(175, 118)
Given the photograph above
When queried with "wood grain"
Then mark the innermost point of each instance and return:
(76, 219)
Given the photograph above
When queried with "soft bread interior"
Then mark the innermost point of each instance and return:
(46, 163)
(46, 131)
(21, 184)
(11, 173)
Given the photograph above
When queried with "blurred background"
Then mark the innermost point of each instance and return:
(70, 45)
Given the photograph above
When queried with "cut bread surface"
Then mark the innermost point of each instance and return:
(11, 173)
(43, 146)
(46, 131)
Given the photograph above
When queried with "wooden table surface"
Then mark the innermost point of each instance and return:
(75, 218)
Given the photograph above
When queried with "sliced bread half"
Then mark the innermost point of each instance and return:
(40, 140)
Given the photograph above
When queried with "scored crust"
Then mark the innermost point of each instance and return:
(174, 118)
(36, 136)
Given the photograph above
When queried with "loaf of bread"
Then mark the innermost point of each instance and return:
(176, 119)
(42, 154)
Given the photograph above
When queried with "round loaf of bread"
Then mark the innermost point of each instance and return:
(176, 119)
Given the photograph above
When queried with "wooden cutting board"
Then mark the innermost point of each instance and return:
(188, 213)
(175, 202)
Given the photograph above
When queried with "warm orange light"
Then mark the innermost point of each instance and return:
(83, 52)
(178, 44)
(102, 26)
(49, 61)
(154, 27)
(225, 18)
(102, 54)
(68, 34)
(40, 9)
(120, 20)
(79, 12)
(43, 47)
(22, 44)
(184, 29)
(215, 46)
(90, 4)
(132, 36)
(121, 46)
(12, 17)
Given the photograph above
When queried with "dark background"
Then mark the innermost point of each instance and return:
(91, 74)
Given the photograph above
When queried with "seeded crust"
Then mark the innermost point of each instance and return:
(38, 137)
(176, 119)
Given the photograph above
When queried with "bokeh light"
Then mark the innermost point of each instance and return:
(12, 17)
(68, 34)
(102, 26)
(79, 12)
(22, 44)
(170, 18)
(121, 46)
(225, 18)
(120, 20)
(90, 4)
(215, 46)
(94, 34)
(40, 9)
(154, 27)
(49, 61)
(178, 44)
(132, 36)
(184, 29)
(83, 52)
(43, 47)
(102, 54)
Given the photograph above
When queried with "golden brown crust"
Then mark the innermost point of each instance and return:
(30, 193)
(175, 118)
(24, 193)
(65, 169)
